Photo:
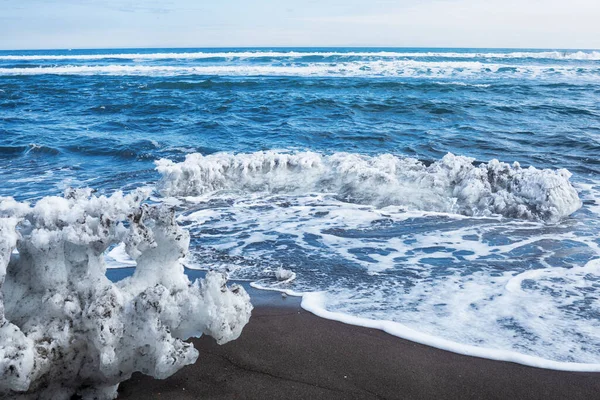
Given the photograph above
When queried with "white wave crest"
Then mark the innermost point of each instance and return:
(453, 184)
(372, 68)
(65, 329)
(552, 55)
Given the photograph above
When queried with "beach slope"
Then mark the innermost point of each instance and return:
(288, 353)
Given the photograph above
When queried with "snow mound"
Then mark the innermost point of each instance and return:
(66, 329)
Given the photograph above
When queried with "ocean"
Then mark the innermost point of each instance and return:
(447, 196)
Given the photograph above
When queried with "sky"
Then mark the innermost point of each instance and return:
(64, 24)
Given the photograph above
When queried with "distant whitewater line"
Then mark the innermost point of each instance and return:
(453, 184)
(552, 55)
(397, 68)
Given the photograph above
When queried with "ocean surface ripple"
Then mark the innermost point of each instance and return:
(383, 179)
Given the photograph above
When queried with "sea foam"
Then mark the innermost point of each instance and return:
(550, 55)
(512, 290)
(379, 68)
(316, 304)
(424, 251)
(453, 184)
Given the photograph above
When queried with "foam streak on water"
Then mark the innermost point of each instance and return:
(372, 69)
(484, 282)
(451, 197)
(552, 55)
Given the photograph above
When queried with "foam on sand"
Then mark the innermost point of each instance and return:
(315, 303)
(453, 184)
(514, 289)
(485, 287)
(65, 329)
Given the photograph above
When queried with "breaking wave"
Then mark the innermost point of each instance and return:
(551, 55)
(371, 68)
(453, 184)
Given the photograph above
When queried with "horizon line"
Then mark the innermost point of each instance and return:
(304, 47)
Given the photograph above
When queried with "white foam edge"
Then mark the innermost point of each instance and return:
(387, 68)
(313, 302)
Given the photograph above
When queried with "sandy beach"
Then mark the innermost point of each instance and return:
(287, 353)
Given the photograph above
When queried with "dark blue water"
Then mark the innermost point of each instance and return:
(105, 128)
(101, 118)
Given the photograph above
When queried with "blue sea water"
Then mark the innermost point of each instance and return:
(102, 118)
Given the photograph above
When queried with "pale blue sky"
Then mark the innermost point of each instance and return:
(31, 24)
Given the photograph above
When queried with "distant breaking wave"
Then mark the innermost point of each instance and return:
(396, 68)
(552, 55)
(453, 184)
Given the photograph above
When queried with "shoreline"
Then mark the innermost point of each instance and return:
(286, 352)
(274, 298)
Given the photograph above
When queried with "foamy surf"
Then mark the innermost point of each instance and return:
(416, 249)
(317, 303)
(485, 304)
(314, 303)
(549, 55)
(368, 69)
(453, 184)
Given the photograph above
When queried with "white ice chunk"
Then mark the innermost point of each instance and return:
(66, 329)
(284, 275)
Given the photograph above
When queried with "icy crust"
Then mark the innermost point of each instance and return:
(65, 329)
(453, 184)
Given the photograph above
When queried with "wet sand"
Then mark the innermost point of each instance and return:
(287, 353)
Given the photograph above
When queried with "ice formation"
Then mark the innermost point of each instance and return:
(66, 329)
(284, 275)
(453, 184)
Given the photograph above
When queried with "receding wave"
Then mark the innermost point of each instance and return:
(396, 68)
(552, 55)
(453, 184)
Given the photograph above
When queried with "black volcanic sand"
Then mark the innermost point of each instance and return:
(287, 353)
